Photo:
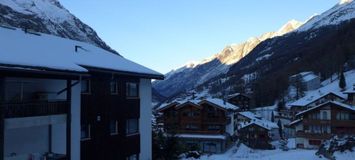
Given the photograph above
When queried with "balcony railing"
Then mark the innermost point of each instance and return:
(31, 109)
(313, 135)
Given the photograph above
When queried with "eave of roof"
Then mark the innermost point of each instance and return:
(321, 105)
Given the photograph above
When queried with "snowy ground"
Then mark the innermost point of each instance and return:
(245, 153)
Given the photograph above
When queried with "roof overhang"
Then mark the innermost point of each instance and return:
(212, 104)
(39, 72)
(126, 73)
(188, 104)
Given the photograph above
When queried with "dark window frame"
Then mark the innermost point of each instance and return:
(88, 91)
(115, 87)
(128, 90)
(115, 132)
(88, 129)
(136, 130)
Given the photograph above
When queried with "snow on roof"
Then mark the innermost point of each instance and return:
(236, 94)
(306, 76)
(177, 103)
(262, 123)
(309, 77)
(310, 98)
(350, 90)
(258, 120)
(249, 115)
(329, 85)
(343, 105)
(221, 103)
(217, 102)
(20, 49)
(201, 136)
(295, 122)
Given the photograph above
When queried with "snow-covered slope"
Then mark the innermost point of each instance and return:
(344, 10)
(195, 73)
(327, 86)
(47, 16)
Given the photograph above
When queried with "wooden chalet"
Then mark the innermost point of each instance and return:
(241, 100)
(207, 123)
(323, 121)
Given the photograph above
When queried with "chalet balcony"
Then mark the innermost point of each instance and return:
(32, 109)
(216, 120)
(316, 122)
(313, 135)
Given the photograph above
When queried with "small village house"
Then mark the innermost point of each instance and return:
(323, 121)
(208, 124)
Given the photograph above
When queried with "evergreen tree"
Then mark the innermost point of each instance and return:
(342, 82)
(272, 116)
(280, 128)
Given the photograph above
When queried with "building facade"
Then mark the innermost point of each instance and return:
(241, 100)
(208, 124)
(322, 122)
(71, 101)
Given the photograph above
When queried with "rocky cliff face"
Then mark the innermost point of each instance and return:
(48, 16)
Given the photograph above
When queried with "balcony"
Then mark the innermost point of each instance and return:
(32, 109)
(313, 135)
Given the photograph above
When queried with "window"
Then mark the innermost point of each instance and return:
(210, 147)
(315, 142)
(315, 116)
(85, 132)
(214, 127)
(325, 115)
(132, 126)
(114, 87)
(132, 157)
(132, 90)
(343, 116)
(113, 127)
(85, 86)
(191, 127)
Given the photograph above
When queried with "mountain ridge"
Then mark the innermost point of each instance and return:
(50, 17)
(196, 73)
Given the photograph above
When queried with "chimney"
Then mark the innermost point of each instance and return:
(76, 48)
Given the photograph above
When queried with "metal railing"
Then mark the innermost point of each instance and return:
(31, 109)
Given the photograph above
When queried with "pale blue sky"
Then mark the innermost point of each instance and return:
(164, 34)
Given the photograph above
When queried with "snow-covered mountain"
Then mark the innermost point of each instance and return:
(47, 16)
(343, 11)
(195, 73)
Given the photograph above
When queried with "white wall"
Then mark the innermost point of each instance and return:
(75, 121)
(230, 127)
(59, 135)
(145, 125)
(24, 141)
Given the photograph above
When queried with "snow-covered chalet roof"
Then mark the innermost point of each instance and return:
(220, 103)
(262, 123)
(343, 105)
(310, 98)
(47, 52)
(212, 101)
(249, 115)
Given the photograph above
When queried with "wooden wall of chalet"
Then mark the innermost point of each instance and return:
(339, 127)
(180, 120)
(255, 137)
(241, 101)
(98, 108)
